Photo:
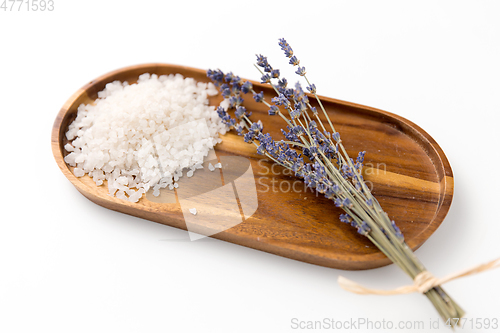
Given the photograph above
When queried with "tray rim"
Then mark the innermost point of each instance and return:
(443, 170)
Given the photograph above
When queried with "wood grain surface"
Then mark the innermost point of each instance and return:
(409, 172)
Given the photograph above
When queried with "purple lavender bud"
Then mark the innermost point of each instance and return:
(312, 88)
(273, 110)
(248, 137)
(228, 77)
(361, 157)
(266, 78)
(399, 234)
(276, 100)
(283, 83)
(257, 126)
(258, 97)
(240, 112)
(239, 128)
(285, 47)
(345, 218)
(301, 71)
(235, 80)
(294, 113)
(313, 125)
(363, 228)
(294, 61)
(232, 101)
(246, 87)
(217, 76)
(226, 93)
(261, 149)
(220, 111)
(261, 60)
(347, 202)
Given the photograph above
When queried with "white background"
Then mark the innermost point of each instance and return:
(68, 265)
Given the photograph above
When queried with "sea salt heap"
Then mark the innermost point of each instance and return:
(143, 135)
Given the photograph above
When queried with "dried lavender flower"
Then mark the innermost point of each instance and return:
(320, 159)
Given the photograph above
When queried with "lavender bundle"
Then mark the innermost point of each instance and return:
(314, 151)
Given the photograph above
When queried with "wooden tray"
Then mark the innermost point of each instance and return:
(410, 174)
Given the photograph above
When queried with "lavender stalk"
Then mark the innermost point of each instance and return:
(315, 153)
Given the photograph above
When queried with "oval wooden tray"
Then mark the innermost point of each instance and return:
(410, 174)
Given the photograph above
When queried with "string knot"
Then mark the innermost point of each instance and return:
(424, 282)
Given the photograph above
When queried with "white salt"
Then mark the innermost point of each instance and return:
(218, 166)
(142, 135)
(193, 211)
(79, 172)
(211, 167)
(69, 147)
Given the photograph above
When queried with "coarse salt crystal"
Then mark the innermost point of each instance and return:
(69, 147)
(79, 172)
